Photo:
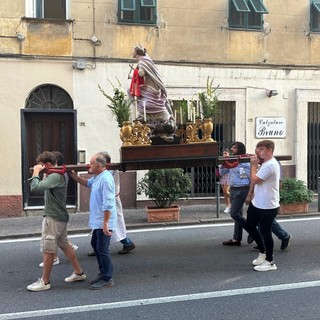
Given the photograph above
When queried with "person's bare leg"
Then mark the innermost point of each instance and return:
(70, 254)
(47, 266)
(226, 194)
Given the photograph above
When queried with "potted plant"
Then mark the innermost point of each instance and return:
(208, 107)
(294, 196)
(164, 187)
(119, 104)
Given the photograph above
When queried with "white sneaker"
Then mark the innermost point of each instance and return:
(75, 277)
(55, 262)
(227, 210)
(39, 286)
(75, 248)
(266, 266)
(259, 260)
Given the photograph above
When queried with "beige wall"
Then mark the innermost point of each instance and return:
(191, 31)
(18, 78)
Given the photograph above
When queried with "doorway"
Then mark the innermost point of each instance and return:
(47, 123)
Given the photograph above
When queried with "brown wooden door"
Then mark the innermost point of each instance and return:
(52, 131)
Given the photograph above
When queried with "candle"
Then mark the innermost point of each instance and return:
(188, 110)
(136, 107)
(144, 111)
(181, 116)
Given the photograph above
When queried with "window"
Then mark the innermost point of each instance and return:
(315, 15)
(49, 9)
(138, 11)
(246, 14)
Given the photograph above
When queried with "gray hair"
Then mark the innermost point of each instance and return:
(106, 156)
(101, 159)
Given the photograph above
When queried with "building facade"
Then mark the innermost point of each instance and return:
(263, 55)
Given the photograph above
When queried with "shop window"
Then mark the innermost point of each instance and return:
(138, 11)
(246, 14)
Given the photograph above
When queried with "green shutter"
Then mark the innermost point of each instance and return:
(317, 6)
(148, 3)
(241, 5)
(128, 5)
(258, 6)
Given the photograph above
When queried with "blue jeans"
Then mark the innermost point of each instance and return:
(101, 245)
(265, 218)
(238, 197)
(278, 231)
(126, 241)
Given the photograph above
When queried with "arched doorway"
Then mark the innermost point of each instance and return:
(48, 122)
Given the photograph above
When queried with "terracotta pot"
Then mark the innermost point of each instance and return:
(155, 214)
(291, 208)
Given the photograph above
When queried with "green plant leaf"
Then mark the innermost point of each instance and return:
(294, 190)
(164, 186)
(120, 104)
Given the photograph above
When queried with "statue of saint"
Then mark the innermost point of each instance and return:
(151, 95)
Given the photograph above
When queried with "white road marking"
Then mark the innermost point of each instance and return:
(153, 301)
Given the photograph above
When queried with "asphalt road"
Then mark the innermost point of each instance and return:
(174, 273)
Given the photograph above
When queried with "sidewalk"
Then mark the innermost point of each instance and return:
(135, 218)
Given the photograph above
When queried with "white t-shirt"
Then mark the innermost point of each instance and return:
(266, 194)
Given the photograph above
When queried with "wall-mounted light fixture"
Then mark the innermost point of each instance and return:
(271, 93)
(82, 156)
(20, 36)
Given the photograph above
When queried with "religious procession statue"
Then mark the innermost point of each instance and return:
(148, 90)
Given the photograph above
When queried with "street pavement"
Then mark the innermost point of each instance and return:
(135, 219)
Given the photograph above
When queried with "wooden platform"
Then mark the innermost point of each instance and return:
(169, 156)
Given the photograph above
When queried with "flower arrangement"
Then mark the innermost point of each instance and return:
(119, 103)
(208, 100)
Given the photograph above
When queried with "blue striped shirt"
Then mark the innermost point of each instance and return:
(238, 176)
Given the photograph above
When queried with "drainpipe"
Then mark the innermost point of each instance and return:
(318, 190)
(94, 38)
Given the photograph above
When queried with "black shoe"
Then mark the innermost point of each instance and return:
(250, 239)
(231, 243)
(127, 249)
(102, 284)
(285, 243)
(97, 279)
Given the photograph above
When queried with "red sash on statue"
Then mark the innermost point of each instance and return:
(135, 83)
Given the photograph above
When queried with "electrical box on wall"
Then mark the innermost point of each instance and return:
(79, 64)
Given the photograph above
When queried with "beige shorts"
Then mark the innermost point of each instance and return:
(54, 235)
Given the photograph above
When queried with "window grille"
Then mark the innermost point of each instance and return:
(313, 167)
(49, 97)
